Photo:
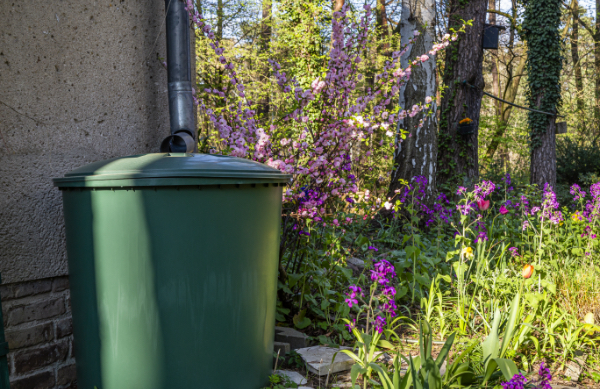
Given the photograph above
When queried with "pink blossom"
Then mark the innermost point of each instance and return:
(483, 205)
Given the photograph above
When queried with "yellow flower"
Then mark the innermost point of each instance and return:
(576, 216)
(589, 318)
(467, 252)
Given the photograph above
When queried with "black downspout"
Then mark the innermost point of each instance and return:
(4, 383)
(179, 70)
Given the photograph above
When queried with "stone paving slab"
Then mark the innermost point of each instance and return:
(318, 359)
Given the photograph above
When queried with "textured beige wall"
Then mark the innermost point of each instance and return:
(80, 81)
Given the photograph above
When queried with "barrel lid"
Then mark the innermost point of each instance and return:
(170, 169)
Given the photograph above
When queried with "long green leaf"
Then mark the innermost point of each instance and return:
(512, 323)
(490, 346)
(383, 376)
(354, 372)
(445, 350)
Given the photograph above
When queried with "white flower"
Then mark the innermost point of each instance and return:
(389, 133)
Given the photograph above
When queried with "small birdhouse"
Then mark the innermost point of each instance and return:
(491, 33)
(561, 128)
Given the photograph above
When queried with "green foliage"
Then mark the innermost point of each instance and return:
(576, 160)
(544, 62)
(280, 382)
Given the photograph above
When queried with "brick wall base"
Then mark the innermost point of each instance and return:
(37, 321)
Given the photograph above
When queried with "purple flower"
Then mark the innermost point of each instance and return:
(389, 291)
(545, 377)
(517, 382)
(550, 206)
(390, 307)
(384, 271)
(351, 326)
(379, 324)
(577, 192)
(514, 251)
(507, 182)
(461, 190)
(465, 209)
(483, 190)
(354, 291)
(525, 224)
(373, 248)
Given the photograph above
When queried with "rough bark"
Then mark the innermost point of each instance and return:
(596, 37)
(381, 24)
(543, 158)
(220, 17)
(417, 154)
(457, 154)
(575, 57)
(494, 60)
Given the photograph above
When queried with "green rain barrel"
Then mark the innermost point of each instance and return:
(173, 270)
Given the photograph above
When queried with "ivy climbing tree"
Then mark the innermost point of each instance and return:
(457, 154)
(544, 64)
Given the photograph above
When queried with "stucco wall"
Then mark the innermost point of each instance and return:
(80, 81)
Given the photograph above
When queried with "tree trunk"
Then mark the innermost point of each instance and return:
(542, 19)
(576, 61)
(264, 51)
(494, 60)
(381, 25)
(220, 17)
(457, 154)
(543, 158)
(417, 154)
(510, 94)
(597, 63)
(337, 5)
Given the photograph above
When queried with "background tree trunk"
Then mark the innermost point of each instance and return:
(543, 158)
(577, 63)
(266, 31)
(417, 154)
(457, 154)
(596, 36)
(542, 19)
(494, 60)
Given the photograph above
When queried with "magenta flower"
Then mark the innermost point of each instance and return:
(503, 210)
(514, 251)
(379, 323)
(383, 273)
(354, 291)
